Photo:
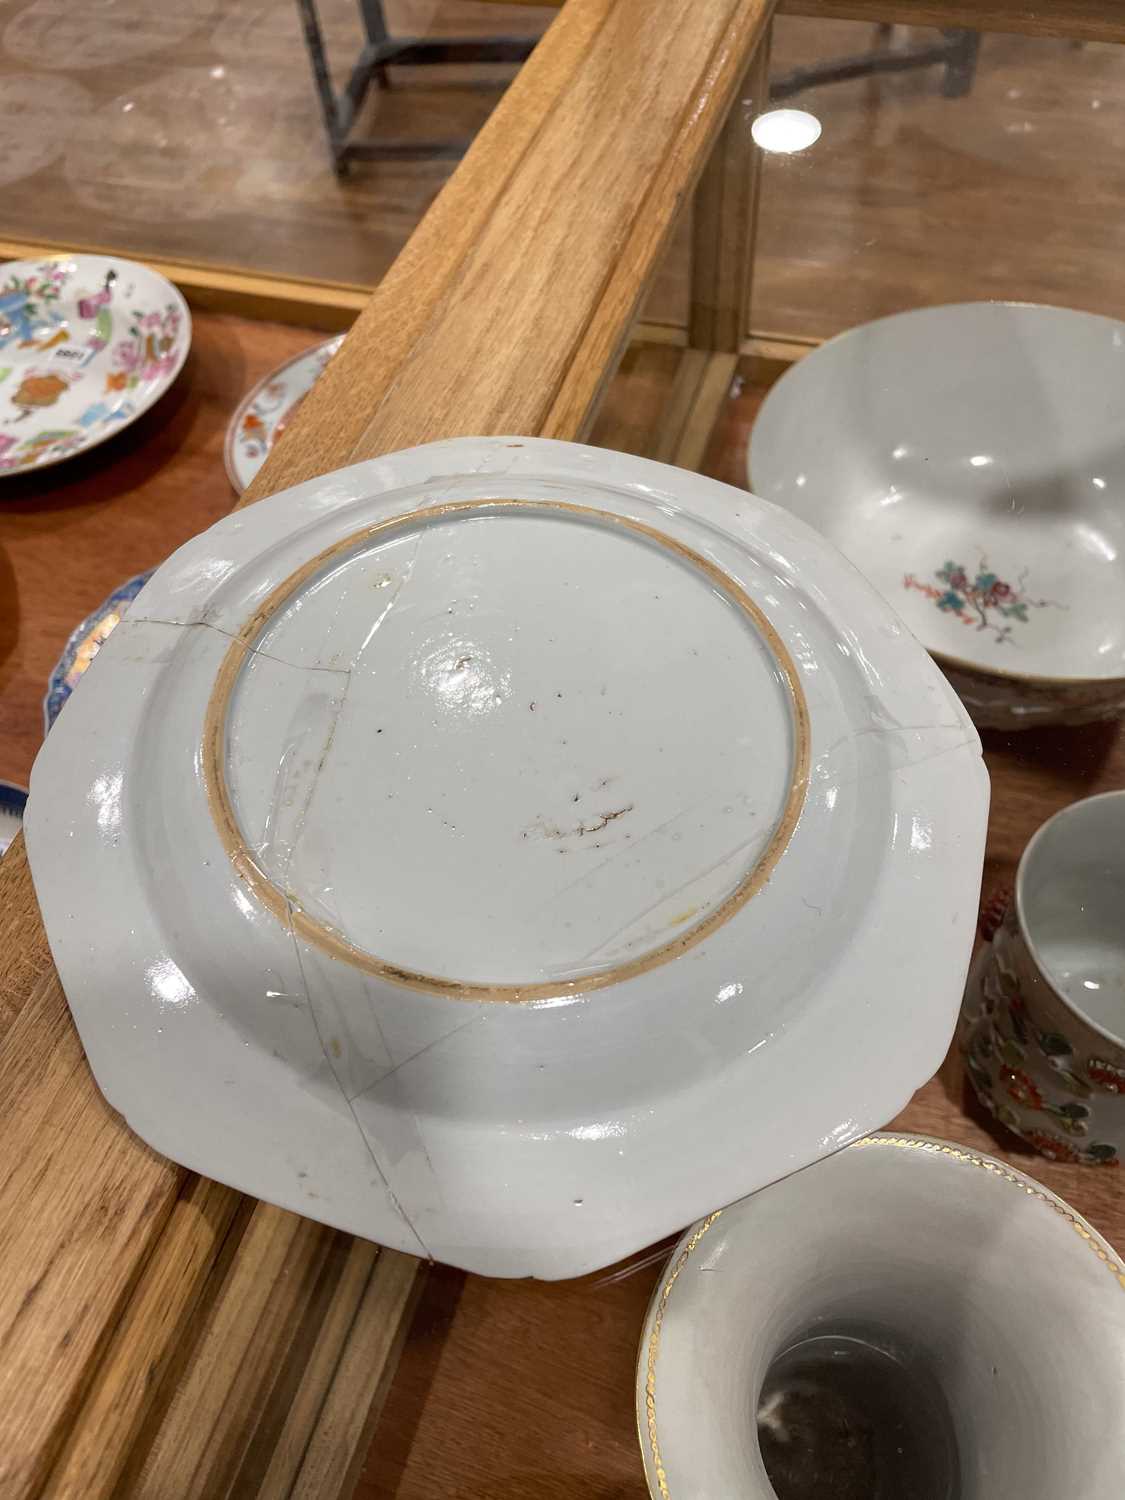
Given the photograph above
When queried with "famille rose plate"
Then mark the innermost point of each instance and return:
(509, 850)
(87, 343)
(265, 411)
(968, 459)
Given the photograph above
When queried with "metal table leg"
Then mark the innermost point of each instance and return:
(379, 52)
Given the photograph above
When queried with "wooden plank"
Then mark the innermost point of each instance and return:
(22, 939)
(649, 332)
(321, 1369)
(82, 1202)
(507, 311)
(129, 1376)
(208, 1423)
(725, 220)
(1082, 20)
(340, 1440)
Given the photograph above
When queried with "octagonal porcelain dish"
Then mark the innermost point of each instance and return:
(508, 850)
(968, 459)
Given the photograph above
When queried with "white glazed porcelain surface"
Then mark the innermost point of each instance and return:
(975, 1273)
(968, 460)
(265, 411)
(87, 344)
(522, 965)
(1044, 1008)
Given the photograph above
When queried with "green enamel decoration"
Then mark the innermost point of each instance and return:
(1099, 1151)
(1053, 1044)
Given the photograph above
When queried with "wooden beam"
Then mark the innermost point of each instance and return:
(128, 1378)
(725, 220)
(506, 312)
(1080, 20)
(338, 1444)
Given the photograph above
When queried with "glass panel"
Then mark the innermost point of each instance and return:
(191, 130)
(997, 176)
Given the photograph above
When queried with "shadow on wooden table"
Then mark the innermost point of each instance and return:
(425, 1340)
(1075, 755)
(9, 609)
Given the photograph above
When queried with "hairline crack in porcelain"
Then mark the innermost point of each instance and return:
(511, 725)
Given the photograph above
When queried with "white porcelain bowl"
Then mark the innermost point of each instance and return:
(970, 460)
(498, 849)
(907, 1317)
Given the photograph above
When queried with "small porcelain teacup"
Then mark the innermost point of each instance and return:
(1043, 1024)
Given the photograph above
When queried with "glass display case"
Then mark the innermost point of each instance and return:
(197, 134)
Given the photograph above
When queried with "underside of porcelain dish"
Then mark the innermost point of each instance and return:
(498, 849)
(968, 460)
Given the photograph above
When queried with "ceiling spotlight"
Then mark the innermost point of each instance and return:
(785, 130)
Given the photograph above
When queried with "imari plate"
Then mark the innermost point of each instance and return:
(84, 642)
(87, 343)
(500, 849)
(264, 412)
